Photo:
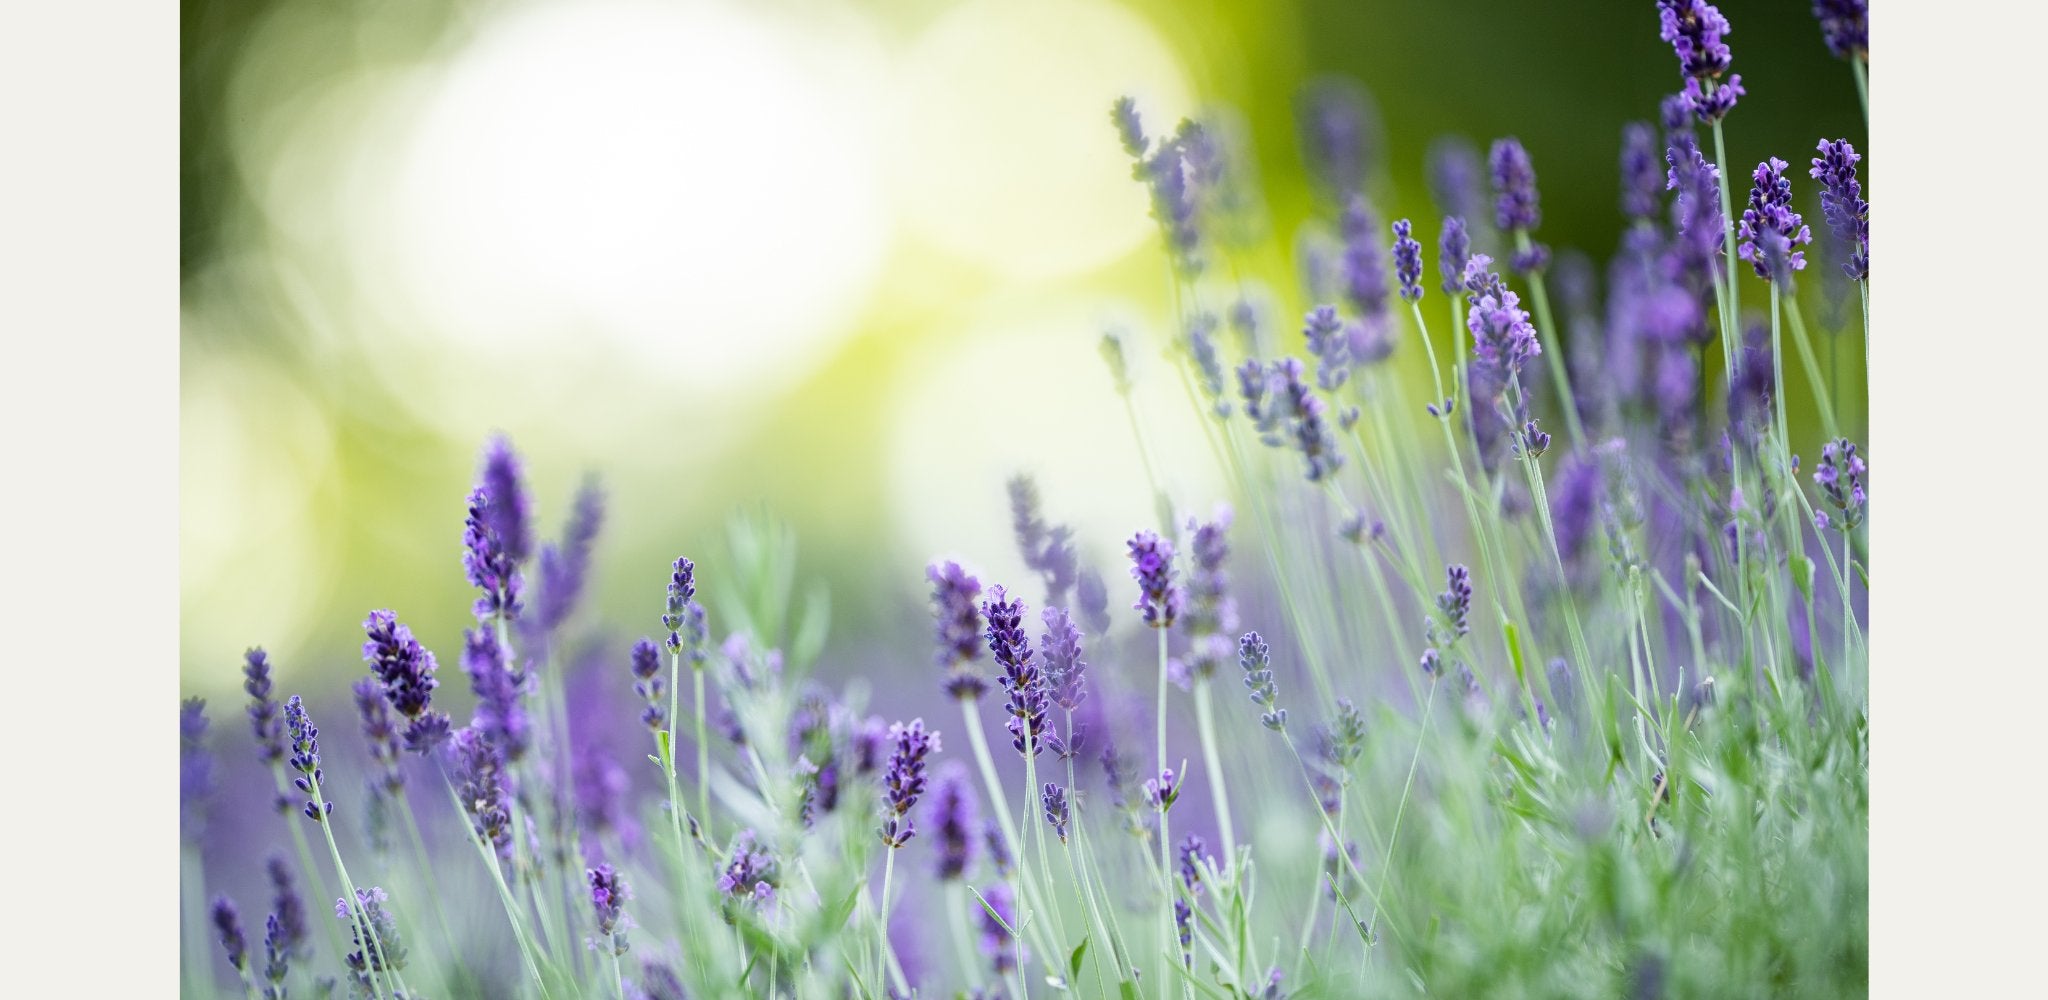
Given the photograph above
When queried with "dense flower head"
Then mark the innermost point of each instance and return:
(1503, 339)
(1159, 599)
(1209, 362)
(1695, 30)
(1407, 260)
(1054, 799)
(1175, 173)
(1454, 248)
(957, 628)
(681, 615)
(287, 907)
(1840, 474)
(1845, 26)
(227, 925)
(479, 785)
(488, 562)
(1696, 211)
(1337, 123)
(1130, 129)
(509, 514)
(1184, 932)
(1330, 345)
(500, 711)
(1515, 203)
(1842, 204)
(648, 682)
(277, 958)
(1211, 612)
(385, 951)
(1365, 262)
(1674, 112)
(1641, 190)
(608, 895)
(1454, 604)
(195, 764)
(1255, 657)
(1453, 170)
(407, 670)
(373, 711)
(998, 918)
(1191, 852)
(305, 757)
(1021, 676)
(264, 719)
(1770, 213)
(750, 873)
(958, 820)
(905, 780)
(1065, 671)
(1297, 420)
(564, 568)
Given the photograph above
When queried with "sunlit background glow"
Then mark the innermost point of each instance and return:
(847, 261)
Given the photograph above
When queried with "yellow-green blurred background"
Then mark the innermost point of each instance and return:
(848, 261)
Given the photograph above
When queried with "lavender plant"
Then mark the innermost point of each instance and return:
(1649, 779)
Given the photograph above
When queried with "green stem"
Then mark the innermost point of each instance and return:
(618, 974)
(1026, 889)
(703, 748)
(882, 946)
(1731, 325)
(1394, 836)
(511, 905)
(1205, 722)
(1559, 377)
(1862, 83)
(359, 915)
(1806, 358)
(1166, 935)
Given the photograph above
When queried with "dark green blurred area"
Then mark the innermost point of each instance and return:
(384, 520)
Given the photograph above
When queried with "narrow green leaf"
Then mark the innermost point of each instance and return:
(1074, 960)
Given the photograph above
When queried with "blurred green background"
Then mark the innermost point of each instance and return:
(845, 261)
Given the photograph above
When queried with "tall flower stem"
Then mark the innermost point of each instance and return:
(317, 880)
(1336, 837)
(1026, 889)
(505, 897)
(1205, 722)
(372, 946)
(426, 869)
(1031, 801)
(1394, 836)
(675, 797)
(1165, 836)
(1560, 379)
(956, 904)
(882, 947)
(1732, 313)
(703, 744)
(1862, 84)
(1806, 358)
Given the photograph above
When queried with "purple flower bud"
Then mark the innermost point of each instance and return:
(287, 908)
(1202, 348)
(1337, 123)
(564, 568)
(1841, 201)
(1161, 792)
(479, 778)
(1129, 129)
(1453, 170)
(1054, 798)
(905, 781)
(263, 709)
(1191, 852)
(648, 682)
(1845, 26)
(1454, 248)
(1255, 657)
(305, 757)
(227, 923)
(1502, 337)
(608, 896)
(1515, 204)
(1770, 213)
(373, 711)
(1183, 922)
(1641, 190)
(276, 958)
(958, 630)
(1839, 474)
(1047, 550)
(488, 562)
(1407, 261)
(384, 952)
(954, 804)
(1152, 567)
(1305, 429)
(1330, 345)
(1696, 212)
(499, 711)
(509, 514)
(681, 615)
(1432, 663)
(1021, 677)
(1455, 603)
(1065, 671)
(1365, 263)
(1532, 440)
(750, 874)
(1695, 29)
(407, 670)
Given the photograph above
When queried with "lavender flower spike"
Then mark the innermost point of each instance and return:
(1454, 248)
(750, 874)
(1455, 603)
(957, 628)
(682, 615)
(1152, 567)
(479, 770)
(277, 954)
(608, 896)
(1640, 188)
(488, 562)
(905, 781)
(1065, 671)
(510, 514)
(1365, 266)
(1515, 204)
(305, 758)
(648, 683)
(1056, 813)
(564, 568)
(287, 907)
(1695, 29)
(1842, 204)
(1407, 261)
(227, 922)
(1161, 792)
(1331, 346)
(1845, 26)
(1256, 658)
(385, 952)
(958, 823)
(407, 670)
(1839, 475)
(374, 712)
(1770, 213)
(1503, 340)
(1130, 130)
(263, 709)
(499, 709)
(1021, 677)
(1453, 168)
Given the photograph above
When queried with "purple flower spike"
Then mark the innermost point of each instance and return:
(564, 568)
(510, 515)
(958, 627)
(1641, 182)
(1453, 169)
(1696, 212)
(1191, 852)
(1065, 671)
(1455, 603)
(905, 781)
(487, 562)
(958, 822)
(1331, 346)
(1161, 792)
(1695, 30)
(1839, 475)
(227, 923)
(1503, 340)
(277, 954)
(305, 758)
(682, 615)
(388, 951)
(1337, 124)
(608, 896)
(287, 907)
(1130, 130)
(750, 874)
(1054, 798)
(373, 711)
(1845, 25)
(1454, 248)
(1842, 204)
(1048, 550)
(263, 709)
(195, 764)
(1407, 261)
(1365, 264)
(1152, 567)
(499, 711)
(479, 785)
(1515, 204)
(1021, 677)
(647, 681)
(407, 670)
(1255, 657)
(1770, 214)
